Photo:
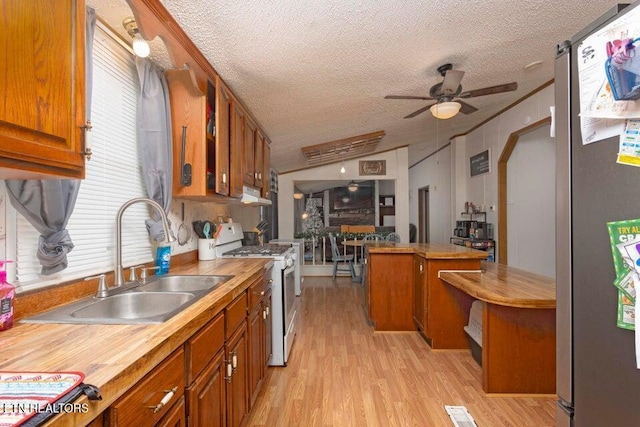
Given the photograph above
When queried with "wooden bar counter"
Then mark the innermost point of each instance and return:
(518, 326)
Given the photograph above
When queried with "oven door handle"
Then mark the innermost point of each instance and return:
(289, 270)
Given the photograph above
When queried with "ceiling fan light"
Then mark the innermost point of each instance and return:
(353, 186)
(298, 196)
(445, 110)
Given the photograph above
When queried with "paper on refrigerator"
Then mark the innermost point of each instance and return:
(596, 98)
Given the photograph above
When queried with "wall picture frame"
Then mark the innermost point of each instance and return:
(372, 167)
(480, 164)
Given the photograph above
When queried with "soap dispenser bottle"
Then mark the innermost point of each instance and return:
(7, 294)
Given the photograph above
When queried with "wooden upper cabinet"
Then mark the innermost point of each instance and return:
(258, 160)
(43, 87)
(223, 124)
(188, 116)
(236, 149)
(266, 168)
(248, 165)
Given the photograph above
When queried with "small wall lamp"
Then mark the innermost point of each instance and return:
(298, 196)
(140, 46)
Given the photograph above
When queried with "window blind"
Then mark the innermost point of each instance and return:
(113, 176)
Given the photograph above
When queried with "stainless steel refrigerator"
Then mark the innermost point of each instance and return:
(597, 380)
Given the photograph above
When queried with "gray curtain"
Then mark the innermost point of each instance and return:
(48, 204)
(154, 140)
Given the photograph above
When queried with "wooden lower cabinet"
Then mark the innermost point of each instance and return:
(236, 350)
(206, 397)
(256, 348)
(175, 417)
(268, 330)
(389, 291)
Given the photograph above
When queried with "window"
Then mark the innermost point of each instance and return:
(113, 176)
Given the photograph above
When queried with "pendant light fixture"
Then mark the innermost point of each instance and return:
(353, 186)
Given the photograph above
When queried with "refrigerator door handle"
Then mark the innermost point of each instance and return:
(564, 326)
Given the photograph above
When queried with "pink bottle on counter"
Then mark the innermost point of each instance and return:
(7, 294)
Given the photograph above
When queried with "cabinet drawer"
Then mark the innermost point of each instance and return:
(136, 407)
(235, 314)
(204, 344)
(256, 293)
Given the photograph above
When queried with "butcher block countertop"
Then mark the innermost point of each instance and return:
(114, 357)
(427, 250)
(504, 285)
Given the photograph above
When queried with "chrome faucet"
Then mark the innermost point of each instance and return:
(119, 276)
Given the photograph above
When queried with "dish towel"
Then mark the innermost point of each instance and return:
(30, 398)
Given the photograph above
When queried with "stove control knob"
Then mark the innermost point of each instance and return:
(294, 256)
(289, 261)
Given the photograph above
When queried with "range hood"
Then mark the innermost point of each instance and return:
(251, 196)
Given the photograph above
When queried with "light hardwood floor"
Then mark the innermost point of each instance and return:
(341, 373)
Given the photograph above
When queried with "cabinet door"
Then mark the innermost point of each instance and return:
(175, 417)
(237, 387)
(266, 169)
(418, 302)
(268, 329)
(256, 350)
(223, 123)
(248, 167)
(236, 149)
(258, 160)
(42, 85)
(188, 122)
(206, 398)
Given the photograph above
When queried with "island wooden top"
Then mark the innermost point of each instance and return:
(504, 285)
(115, 357)
(427, 250)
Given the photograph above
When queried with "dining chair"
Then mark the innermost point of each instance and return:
(373, 237)
(338, 259)
(393, 237)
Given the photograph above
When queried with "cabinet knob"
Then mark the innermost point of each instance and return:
(234, 361)
(229, 372)
(224, 177)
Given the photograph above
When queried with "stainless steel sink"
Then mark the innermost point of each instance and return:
(154, 302)
(134, 305)
(183, 283)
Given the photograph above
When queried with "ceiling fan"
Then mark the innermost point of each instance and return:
(449, 89)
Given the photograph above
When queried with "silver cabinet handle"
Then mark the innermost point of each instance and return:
(234, 361)
(167, 397)
(229, 372)
(264, 314)
(224, 177)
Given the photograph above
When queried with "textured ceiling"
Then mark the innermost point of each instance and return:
(317, 71)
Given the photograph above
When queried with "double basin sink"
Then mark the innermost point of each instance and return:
(155, 301)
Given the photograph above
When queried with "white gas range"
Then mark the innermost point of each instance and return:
(283, 298)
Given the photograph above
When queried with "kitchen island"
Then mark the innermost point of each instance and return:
(116, 357)
(403, 292)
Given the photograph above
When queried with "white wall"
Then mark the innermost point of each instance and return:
(435, 172)
(531, 204)
(483, 189)
(448, 173)
(397, 162)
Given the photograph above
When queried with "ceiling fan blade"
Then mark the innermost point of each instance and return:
(509, 87)
(451, 81)
(420, 111)
(425, 98)
(466, 108)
